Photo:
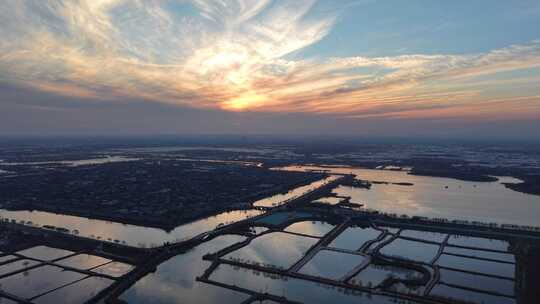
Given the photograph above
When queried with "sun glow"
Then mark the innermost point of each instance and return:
(247, 101)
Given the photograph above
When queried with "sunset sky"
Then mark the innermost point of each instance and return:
(365, 67)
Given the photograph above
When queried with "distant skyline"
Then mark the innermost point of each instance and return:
(449, 69)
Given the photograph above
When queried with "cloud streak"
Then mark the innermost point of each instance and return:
(236, 55)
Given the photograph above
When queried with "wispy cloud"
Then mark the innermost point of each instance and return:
(232, 55)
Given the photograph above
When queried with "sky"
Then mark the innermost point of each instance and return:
(361, 67)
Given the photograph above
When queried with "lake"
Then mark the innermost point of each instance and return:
(439, 197)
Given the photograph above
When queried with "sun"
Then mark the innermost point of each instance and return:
(244, 102)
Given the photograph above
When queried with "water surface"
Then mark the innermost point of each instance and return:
(45, 253)
(75, 163)
(424, 235)
(282, 198)
(275, 249)
(506, 257)
(17, 265)
(78, 292)
(373, 275)
(39, 280)
(130, 234)
(439, 197)
(476, 265)
(328, 200)
(500, 286)
(469, 296)
(295, 289)
(279, 218)
(174, 281)
(354, 237)
(83, 261)
(411, 250)
(7, 258)
(468, 241)
(114, 269)
(331, 264)
(312, 228)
